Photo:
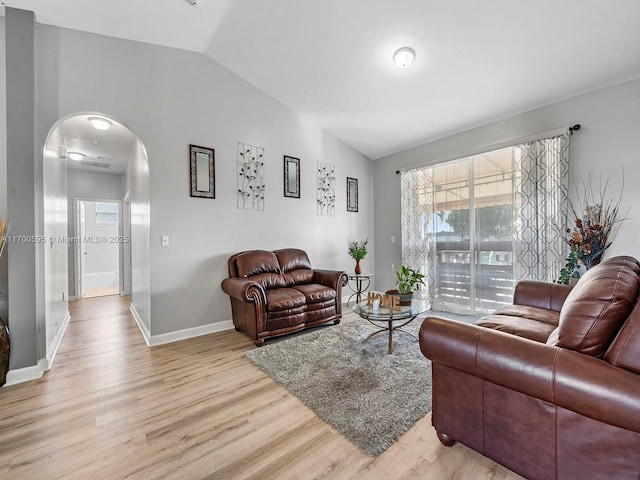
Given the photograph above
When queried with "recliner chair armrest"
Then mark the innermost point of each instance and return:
(568, 379)
(541, 294)
(245, 290)
(330, 278)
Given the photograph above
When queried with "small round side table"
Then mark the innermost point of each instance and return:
(359, 283)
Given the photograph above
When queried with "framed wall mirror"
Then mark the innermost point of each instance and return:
(203, 172)
(352, 194)
(291, 177)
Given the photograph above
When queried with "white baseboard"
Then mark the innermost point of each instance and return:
(190, 333)
(26, 374)
(71, 298)
(56, 342)
(146, 334)
(20, 375)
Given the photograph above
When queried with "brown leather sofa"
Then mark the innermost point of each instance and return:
(550, 386)
(274, 293)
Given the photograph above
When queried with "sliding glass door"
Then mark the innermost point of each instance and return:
(473, 227)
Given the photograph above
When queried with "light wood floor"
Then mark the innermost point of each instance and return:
(112, 408)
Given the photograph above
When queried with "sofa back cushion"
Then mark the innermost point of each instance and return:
(292, 259)
(598, 305)
(253, 262)
(624, 351)
(295, 265)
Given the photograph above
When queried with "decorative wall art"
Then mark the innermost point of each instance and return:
(291, 177)
(202, 172)
(352, 194)
(326, 196)
(250, 177)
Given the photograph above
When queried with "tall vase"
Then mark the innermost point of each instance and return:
(358, 270)
(5, 346)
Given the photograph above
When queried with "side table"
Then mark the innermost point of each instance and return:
(359, 283)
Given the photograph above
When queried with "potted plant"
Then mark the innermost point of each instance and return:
(358, 250)
(408, 281)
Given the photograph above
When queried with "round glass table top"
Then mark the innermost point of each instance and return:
(417, 307)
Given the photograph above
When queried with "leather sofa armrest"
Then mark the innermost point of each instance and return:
(244, 290)
(541, 294)
(330, 278)
(568, 379)
(594, 388)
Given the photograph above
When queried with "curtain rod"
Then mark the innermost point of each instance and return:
(496, 146)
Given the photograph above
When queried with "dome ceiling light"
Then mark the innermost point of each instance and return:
(404, 57)
(100, 123)
(76, 156)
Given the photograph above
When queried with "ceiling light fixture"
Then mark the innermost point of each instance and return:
(76, 156)
(404, 57)
(100, 123)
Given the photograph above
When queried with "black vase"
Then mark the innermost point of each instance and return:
(5, 347)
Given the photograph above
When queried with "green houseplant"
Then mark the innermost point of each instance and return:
(358, 250)
(408, 281)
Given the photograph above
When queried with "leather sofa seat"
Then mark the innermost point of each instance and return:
(275, 293)
(550, 386)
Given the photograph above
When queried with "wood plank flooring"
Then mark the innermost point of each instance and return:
(112, 408)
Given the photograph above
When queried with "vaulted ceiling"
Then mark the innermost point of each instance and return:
(331, 60)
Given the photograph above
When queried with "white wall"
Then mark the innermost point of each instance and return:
(608, 141)
(87, 184)
(136, 184)
(56, 296)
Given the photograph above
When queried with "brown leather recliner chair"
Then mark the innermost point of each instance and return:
(275, 293)
(550, 386)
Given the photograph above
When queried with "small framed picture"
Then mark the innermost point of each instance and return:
(291, 177)
(202, 171)
(352, 194)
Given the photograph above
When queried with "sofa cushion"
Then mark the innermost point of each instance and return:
(543, 315)
(256, 261)
(292, 259)
(624, 351)
(269, 280)
(520, 326)
(298, 277)
(315, 292)
(597, 307)
(284, 299)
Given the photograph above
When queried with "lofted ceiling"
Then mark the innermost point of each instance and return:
(331, 60)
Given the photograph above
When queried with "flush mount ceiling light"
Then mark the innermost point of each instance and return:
(76, 156)
(100, 123)
(404, 57)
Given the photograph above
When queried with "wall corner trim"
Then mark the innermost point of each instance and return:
(26, 374)
(146, 334)
(56, 342)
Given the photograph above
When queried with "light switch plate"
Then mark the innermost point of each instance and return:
(164, 240)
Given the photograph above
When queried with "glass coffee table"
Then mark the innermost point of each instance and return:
(383, 318)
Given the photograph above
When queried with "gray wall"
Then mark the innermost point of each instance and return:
(23, 314)
(171, 98)
(608, 141)
(3, 170)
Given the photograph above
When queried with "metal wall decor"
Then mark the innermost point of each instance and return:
(291, 177)
(202, 172)
(326, 195)
(251, 185)
(352, 194)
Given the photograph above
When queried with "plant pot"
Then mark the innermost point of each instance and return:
(358, 270)
(405, 298)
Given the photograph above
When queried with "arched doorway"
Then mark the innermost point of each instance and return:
(92, 160)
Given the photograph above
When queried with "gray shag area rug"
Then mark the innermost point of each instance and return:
(369, 396)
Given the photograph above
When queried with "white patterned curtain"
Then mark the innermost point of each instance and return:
(540, 197)
(418, 225)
